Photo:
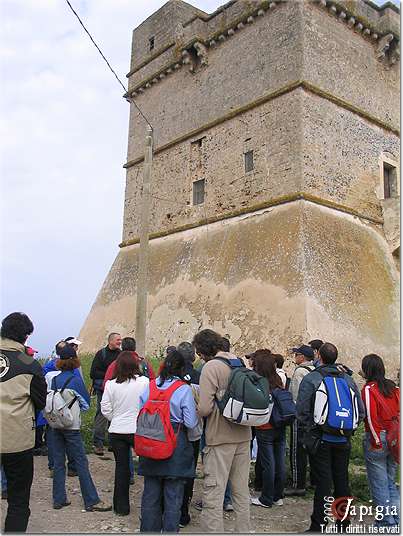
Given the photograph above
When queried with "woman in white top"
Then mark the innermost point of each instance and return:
(120, 405)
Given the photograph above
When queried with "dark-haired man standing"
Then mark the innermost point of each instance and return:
(22, 393)
(103, 358)
(227, 450)
(329, 454)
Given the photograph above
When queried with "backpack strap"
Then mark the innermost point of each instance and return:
(66, 383)
(228, 362)
(336, 373)
(306, 367)
(164, 394)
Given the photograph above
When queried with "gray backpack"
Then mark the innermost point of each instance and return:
(247, 399)
(57, 409)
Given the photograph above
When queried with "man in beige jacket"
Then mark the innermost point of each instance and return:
(227, 450)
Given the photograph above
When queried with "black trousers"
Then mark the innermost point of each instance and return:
(188, 489)
(298, 458)
(121, 444)
(330, 470)
(19, 470)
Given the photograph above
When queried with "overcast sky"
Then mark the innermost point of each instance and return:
(63, 143)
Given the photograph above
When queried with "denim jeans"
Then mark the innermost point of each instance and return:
(381, 470)
(70, 441)
(160, 491)
(49, 444)
(3, 480)
(271, 445)
(131, 464)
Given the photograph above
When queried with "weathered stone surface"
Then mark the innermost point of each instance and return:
(269, 279)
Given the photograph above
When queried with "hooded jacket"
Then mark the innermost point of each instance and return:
(22, 393)
(307, 393)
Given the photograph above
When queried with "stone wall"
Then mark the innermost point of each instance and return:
(267, 280)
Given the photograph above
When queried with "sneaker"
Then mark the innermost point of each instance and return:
(256, 502)
(228, 507)
(297, 492)
(132, 481)
(50, 473)
(4, 494)
(36, 452)
(110, 449)
(99, 451)
(99, 507)
(280, 502)
(58, 506)
(70, 472)
(198, 505)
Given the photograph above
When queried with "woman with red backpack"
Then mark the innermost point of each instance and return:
(382, 442)
(161, 441)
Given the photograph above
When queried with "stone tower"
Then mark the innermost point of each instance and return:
(275, 180)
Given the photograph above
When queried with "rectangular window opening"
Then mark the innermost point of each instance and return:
(389, 181)
(151, 43)
(249, 165)
(198, 192)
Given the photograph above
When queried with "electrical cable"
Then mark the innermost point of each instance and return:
(108, 64)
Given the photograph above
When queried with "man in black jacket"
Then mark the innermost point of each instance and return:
(22, 393)
(103, 358)
(329, 454)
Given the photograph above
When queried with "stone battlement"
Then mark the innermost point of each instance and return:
(186, 42)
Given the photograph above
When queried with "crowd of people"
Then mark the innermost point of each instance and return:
(174, 415)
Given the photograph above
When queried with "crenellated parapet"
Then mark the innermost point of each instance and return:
(193, 54)
(384, 33)
(195, 37)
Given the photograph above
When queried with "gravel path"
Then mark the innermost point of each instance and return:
(292, 517)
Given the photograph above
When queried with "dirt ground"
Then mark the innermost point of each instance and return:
(292, 517)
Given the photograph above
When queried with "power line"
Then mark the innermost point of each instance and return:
(108, 64)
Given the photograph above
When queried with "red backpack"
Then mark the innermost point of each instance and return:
(155, 437)
(392, 430)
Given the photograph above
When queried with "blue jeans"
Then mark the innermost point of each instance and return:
(381, 470)
(271, 445)
(70, 442)
(158, 492)
(131, 464)
(3, 481)
(49, 444)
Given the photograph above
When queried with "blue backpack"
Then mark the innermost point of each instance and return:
(284, 409)
(336, 405)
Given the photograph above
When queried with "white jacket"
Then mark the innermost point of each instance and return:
(120, 404)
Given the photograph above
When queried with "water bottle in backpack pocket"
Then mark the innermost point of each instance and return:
(336, 405)
(284, 409)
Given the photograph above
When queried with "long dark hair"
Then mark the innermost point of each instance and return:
(127, 367)
(173, 365)
(265, 365)
(374, 371)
